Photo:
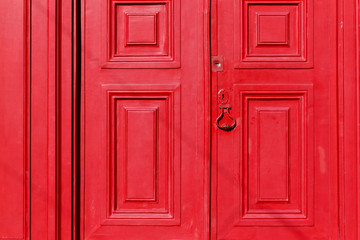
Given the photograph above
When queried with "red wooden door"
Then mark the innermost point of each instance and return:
(283, 109)
(275, 175)
(143, 121)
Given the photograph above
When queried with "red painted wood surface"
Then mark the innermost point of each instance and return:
(144, 129)
(289, 169)
(14, 121)
(42, 90)
(278, 174)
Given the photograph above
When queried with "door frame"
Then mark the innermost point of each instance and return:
(55, 25)
(52, 74)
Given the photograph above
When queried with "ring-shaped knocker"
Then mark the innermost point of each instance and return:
(225, 114)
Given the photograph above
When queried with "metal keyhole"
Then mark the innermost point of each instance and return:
(223, 96)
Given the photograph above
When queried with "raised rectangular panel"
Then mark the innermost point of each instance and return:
(267, 34)
(142, 34)
(143, 170)
(137, 28)
(275, 28)
(272, 160)
(140, 164)
(141, 29)
(276, 173)
(273, 34)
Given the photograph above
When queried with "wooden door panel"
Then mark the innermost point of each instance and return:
(273, 155)
(275, 174)
(273, 34)
(143, 120)
(141, 34)
(143, 186)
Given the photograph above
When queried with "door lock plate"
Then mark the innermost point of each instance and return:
(217, 63)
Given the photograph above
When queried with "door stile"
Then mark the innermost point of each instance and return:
(214, 129)
(348, 96)
(348, 117)
(207, 138)
(339, 117)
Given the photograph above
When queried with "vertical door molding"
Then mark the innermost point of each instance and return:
(348, 119)
(51, 118)
(357, 67)
(66, 67)
(43, 92)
